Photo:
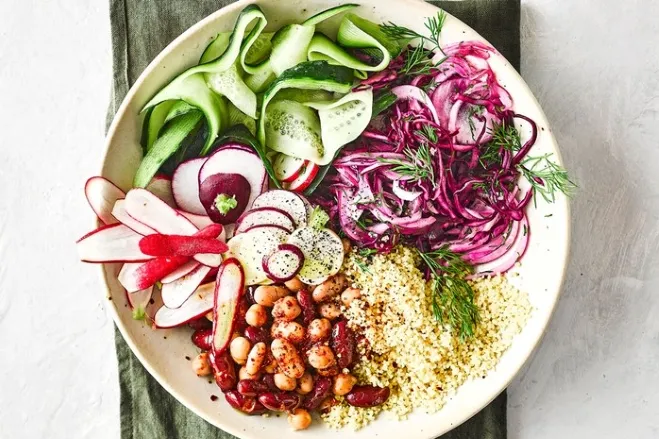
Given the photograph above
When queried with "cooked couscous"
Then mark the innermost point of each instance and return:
(405, 349)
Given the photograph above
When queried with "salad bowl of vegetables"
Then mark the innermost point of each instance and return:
(272, 145)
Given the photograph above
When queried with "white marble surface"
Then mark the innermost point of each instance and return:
(594, 65)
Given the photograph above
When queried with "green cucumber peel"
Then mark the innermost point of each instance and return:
(328, 13)
(154, 120)
(240, 134)
(179, 108)
(293, 128)
(310, 75)
(168, 143)
(382, 101)
(237, 117)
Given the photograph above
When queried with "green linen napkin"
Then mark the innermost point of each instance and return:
(140, 30)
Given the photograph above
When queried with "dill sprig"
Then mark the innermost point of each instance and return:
(417, 62)
(546, 177)
(429, 132)
(364, 257)
(504, 137)
(453, 298)
(417, 167)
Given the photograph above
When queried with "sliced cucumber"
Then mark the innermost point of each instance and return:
(251, 247)
(261, 48)
(289, 46)
(292, 94)
(342, 121)
(294, 129)
(179, 108)
(230, 84)
(329, 13)
(153, 122)
(172, 137)
(323, 253)
(310, 75)
(237, 117)
(216, 48)
(261, 78)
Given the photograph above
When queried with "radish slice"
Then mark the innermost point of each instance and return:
(251, 247)
(155, 213)
(161, 187)
(138, 302)
(111, 243)
(284, 264)
(185, 186)
(305, 179)
(101, 195)
(229, 288)
(265, 216)
(170, 245)
(286, 201)
(180, 272)
(119, 212)
(200, 221)
(287, 168)
(323, 253)
(308, 206)
(177, 292)
(135, 277)
(225, 197)
(236, 160)
(196, 306)
(267, 226)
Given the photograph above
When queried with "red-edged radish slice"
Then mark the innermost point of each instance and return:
(177, 292)
(200, 221)
(155, 213)
(287, 168)
(138, 302)
(225, 196)
(197, 305)
(265, 216)
(283, 264)
(268, 226)
(251, 247)
(308, 206)
(119, 212)
(305, 179)
(161, 187)
(136, 277)
(284, 200)
(171, 245)
(101, 195)
(229, 289)
(236, 160)
(185, 186)
(111, 243)
(181, 271)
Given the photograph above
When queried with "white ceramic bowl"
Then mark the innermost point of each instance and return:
(542, 271)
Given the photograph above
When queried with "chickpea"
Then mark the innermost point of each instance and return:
(347, 246)
(202, 365)
(285, 383)
(299, 419)
(329, 310)
(305, 384)
(321, 357)
(239, 349)
(244, 375)
(343, 384)
(319, 330)
(267, 295)
(294, 284)
(255, 358)
(349, 295)
(286, 308)
(291, 331)
(328, 289)
(256, 315)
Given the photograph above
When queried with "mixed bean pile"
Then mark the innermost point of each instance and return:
(292, 352)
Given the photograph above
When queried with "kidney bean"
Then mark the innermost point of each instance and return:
(249, 295)
(203, 339)
(224, 371)
(343, 344)
(322, 389)
(327, 404)
(200, 323)
(269, 380)
(251, 387)
(257, 335)
(245, 404)
(367, 396)
(280, 401)
(241, 323)
(307, 305)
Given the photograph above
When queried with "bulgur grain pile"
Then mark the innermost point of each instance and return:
(403, 346)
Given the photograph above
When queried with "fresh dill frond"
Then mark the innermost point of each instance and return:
(362, 265)
(429, 132)
(367, 252)
(546, 177)
(433, 24)
(417, 62)
(504, 137)
(453, 298)
(418, 165)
